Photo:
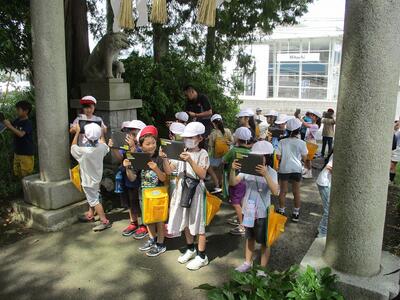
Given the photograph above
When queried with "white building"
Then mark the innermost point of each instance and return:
(296, 67)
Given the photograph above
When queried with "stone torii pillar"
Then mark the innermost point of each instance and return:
(366, 107)
(50, 193)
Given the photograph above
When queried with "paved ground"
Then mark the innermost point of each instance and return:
(77, 263)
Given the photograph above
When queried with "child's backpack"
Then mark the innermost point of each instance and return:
(221, 146)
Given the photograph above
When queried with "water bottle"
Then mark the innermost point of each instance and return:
(118, 183)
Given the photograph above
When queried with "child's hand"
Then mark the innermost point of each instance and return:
(130, 140)
(152, 165)
(7, 123)
(110, 143)
(161, 153)
(77, 128)
(126, 163)
(185, 156)
(262, 170)
(236, 165)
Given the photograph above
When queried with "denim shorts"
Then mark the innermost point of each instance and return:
(290, 177)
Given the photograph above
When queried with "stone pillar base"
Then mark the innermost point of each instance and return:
(48, 220)
(50, 195)
(353, 287)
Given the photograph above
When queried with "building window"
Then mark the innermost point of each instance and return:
(249, 81)
(299, 69)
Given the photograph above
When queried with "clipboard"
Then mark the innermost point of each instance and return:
(172, 149)
(249, 162)
(118, 138)
(139, 160)
(83, 123)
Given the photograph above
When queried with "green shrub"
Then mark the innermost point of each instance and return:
(160, 86)
(10, 186)
(260, 284)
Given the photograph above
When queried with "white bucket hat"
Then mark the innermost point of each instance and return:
(177, 128)
(243, 133)
(247, 112)
(92, 132)
(262, 148)
(282, 118)
(273, 113)
(293, 124)
(182, 116)
(316, 112)
(216, 117)
(193, 129)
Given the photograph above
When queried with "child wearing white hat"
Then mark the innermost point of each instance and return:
(243, 144)
(311, 138)
(88, 107)
(246, 119)
(256, 202)
(182, 117)
(91, 169)
(188, 214)
(130, 194)
(290, 152)
(220, 140)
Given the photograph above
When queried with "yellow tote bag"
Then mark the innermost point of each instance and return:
(75, 176)
(221, 147)
(155, 204)
(275, 225)
(213, 204)
(312, 149)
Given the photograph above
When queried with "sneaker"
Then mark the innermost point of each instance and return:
(156, 250)
(239, 230)
(281, 211)
(140, 233)
(295, 217)
(197, 263)
(84, 218)
(308, 174)
(188, 255)
(233, 221)
(148, 245)
(244, 267)
(102, 226)
(217, 190)
(130, 230)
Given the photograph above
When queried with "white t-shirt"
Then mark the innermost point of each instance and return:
(258, 190)
(82, 140)
(325, 177)
(311, 133)
(291, 151)
(91, 163)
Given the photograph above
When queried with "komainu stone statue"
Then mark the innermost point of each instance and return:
(100, 62)
(118, 68)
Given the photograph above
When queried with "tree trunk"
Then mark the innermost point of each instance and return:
(160, 42)
(210, 47)
(109, 16)
(77, 44)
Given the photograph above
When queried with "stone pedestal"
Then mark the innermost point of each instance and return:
(353, 287)
(51, 189)
(114, 104)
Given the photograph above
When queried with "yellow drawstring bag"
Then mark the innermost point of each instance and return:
(213, 204)
(275, 225)
(312, 149)
(221, 147)
(155, 204)
(75, 176)
(276, 162)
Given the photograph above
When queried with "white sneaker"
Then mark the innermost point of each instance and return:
(188, 255)
(308, 174)
(197, 263)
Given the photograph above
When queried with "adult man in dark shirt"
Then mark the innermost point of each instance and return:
(198, 107)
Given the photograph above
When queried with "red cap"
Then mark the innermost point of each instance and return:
(149, 130)
(88, 100)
